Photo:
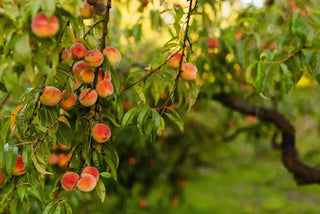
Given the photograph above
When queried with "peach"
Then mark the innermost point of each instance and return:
(78, 51)
(113, 55)
(50, 96)
(189, 71)
(86, 183)
(99, 8)
(1, 178)
(104, 88)
(67, 104)
(93, 58)
(69, 181)
(86, 12)
(44, 27)
(92, 171)
(88, 97)
(64, 159)
(174, 60)
(19, 168)
(108, 77)
(63, 147)
(100, 75)
(212, 43)
(53, 159)
(77, 68)
(65, 56)
(101, 133)
(86, 76)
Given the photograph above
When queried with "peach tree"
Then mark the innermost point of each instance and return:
(77, 100)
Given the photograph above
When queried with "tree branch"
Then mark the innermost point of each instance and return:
(302, 173)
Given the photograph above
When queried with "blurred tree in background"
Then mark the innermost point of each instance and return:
(180, 138)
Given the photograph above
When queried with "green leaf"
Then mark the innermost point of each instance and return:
(128, 117)
(106, 174)
(156, 118)
(37, 165)
(68, 207)
(101, 190)
(34, 193)
(21, 190)
(58, 209)
(112, 166)
(71, 6)
(48, 7)
(49, 207)
(22, 49)
(142, 118)
(287, 77)
(260, 77)
(248, 72)
(174, 117)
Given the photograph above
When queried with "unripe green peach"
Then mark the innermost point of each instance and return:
(189, 71)
(113, 55)
(86, 183)
(92, 171)
(19, 168)
(44, 27)
(104, 88)
(86, 76)
(101, 133)
(50, 96)
(69, 181)
(174, 60)
(86, 12)
(77, 68)
(93, 58)
(88, 97)
(67, 104)
(78, 51)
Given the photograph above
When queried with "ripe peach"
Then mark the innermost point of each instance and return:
(108, 77)
(212, 43)
(142, 203)
(78, 51)
(86, 183)
(43, 27)
(100, 75)
(86, 12)
(77, 68)
(189, 71)
(53, 159)
(67, 104)
(87, 76)
(69, 181)
(104, 88)
(113, 55)
(1, 178)
(101, 133)
(92, 171)
(88, 97)
(64, 147)
(50, 96)
(174, 60)
(64, 159)
(93, 58)
(19, 168)
(65, 56)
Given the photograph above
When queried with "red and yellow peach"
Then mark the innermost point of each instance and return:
(104, 88)
(93, 58)
(86, 12)
(86, 183)
(189, 71)
(43, 27)
(50, 96)
(88, 97)
(174, 60)
(19, 168)
(92, 171)
(78, 51)
(86, 76)
(69, 181)
(113, 55)
(101, 133)
(67, 104)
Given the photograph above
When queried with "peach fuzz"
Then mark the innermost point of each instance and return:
(78, 51)
(113, 55)
(69, 181)
(86, 12)
(88, 97)
(50, 96)
(77, 68)
(93, 58)
(67, 104)
(101, 133)
(86, 183)
(174, 60)
(65, 56)
(189, 71)
(19, 168)
(92, 171)
(43, 26)
(104, 88)
(86, 76)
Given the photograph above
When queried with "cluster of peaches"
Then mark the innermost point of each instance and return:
(86, 182)
(188, 70)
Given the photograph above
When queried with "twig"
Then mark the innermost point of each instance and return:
(12, 197)
(93, 26)
(105, 26)
(283, 60)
